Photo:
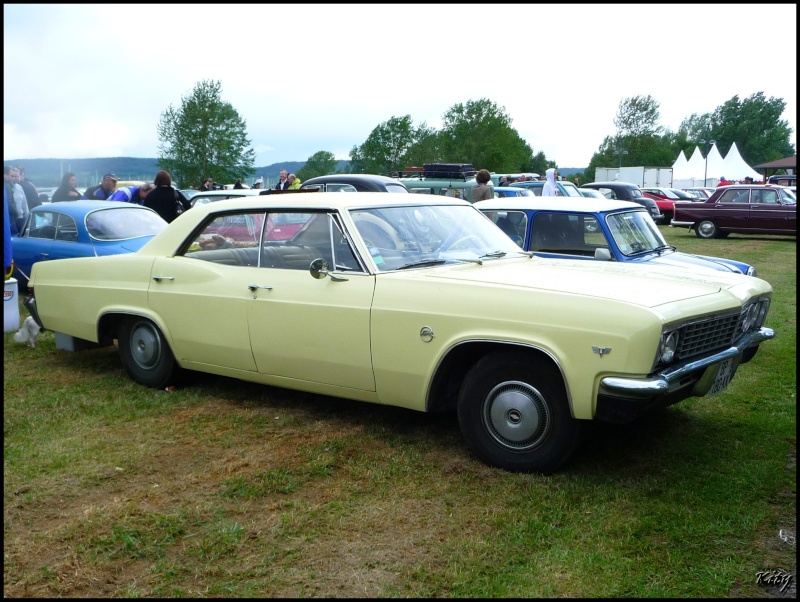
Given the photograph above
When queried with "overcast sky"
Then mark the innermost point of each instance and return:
(84, 81)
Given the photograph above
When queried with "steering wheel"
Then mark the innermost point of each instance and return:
(377, 233)
(465, 241)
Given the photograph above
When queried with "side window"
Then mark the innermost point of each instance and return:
(42, 225)
(230, 239)
(340, 188)
(735, 196)
(66, 229)
(767, 196)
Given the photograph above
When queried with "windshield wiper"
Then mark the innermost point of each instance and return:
(422, 262)
(663, 248)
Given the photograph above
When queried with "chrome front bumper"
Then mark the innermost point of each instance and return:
(669, 380)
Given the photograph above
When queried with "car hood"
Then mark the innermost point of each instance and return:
(684, 260)
(646, 285)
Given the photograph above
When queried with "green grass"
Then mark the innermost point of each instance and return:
(225, 488)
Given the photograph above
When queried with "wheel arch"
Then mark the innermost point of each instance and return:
(456, 363)
(109, 323)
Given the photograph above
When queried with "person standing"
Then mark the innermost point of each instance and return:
(723, 182)
(102, 191)
(481, 191)
(164, 199)
(17, 203)
(283, 182)
(294, 182)
(31, 194)
(208, 184)
(549, 188)
(67, 191)
(238, 185)
(132, 194)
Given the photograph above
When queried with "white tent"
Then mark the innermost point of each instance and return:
(735, 168)
(716, 166)
(692, 173)
(679, 165)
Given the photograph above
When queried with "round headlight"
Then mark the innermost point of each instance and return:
(749, 317)
(669, 347)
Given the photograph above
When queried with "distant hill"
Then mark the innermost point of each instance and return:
(48, 172)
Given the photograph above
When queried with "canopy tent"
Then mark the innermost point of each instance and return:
(680, 164)
(693, 172)
(736, 168)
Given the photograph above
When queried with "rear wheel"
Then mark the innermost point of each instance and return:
(514, 414)
(145, 354)
(706, 229)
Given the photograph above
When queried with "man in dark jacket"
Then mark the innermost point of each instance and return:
(102, 191)
(31, 194)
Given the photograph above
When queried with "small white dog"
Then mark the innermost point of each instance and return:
(28, 333)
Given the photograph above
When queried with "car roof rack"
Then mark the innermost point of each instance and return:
(446, 171)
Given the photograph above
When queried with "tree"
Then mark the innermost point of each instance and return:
(205, 137)
(384, 151)
(320, 163)
(754, 124)
(480, 132)
(638, 116)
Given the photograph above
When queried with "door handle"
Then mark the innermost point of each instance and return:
(160, 278)
(255, 287)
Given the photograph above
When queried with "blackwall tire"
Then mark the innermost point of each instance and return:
(145, 353)
(706, 229)
(514, 414)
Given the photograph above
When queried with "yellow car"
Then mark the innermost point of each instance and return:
(413, 301)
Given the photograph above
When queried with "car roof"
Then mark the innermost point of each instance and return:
(557, 203)
(80, 208)
(353, 177)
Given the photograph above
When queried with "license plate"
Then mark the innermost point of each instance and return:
(723, 378)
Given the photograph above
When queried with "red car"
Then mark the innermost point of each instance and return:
(740, 208)
(666, 198)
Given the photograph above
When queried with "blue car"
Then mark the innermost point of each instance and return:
(504, 191)
(81, 229)
(605, 230)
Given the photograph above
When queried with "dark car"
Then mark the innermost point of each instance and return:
(783, 180)
(625, 191)
(740, 208)
(354, 183)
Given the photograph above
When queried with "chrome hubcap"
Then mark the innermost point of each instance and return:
(145, 346)
(516, 416)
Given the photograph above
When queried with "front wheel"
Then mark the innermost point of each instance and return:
(514, 414)
(667, 218)
(145, 353)
(706, 229)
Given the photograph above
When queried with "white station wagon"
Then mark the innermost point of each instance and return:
(413, 301)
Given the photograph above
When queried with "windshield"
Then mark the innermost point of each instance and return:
(425, 235)
(571, 189)
(789, 196)
(635, 232)
(121, 224)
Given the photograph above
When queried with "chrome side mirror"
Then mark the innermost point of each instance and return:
(319, 268)
(602, 254)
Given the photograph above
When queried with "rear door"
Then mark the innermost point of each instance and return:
(767, 213)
